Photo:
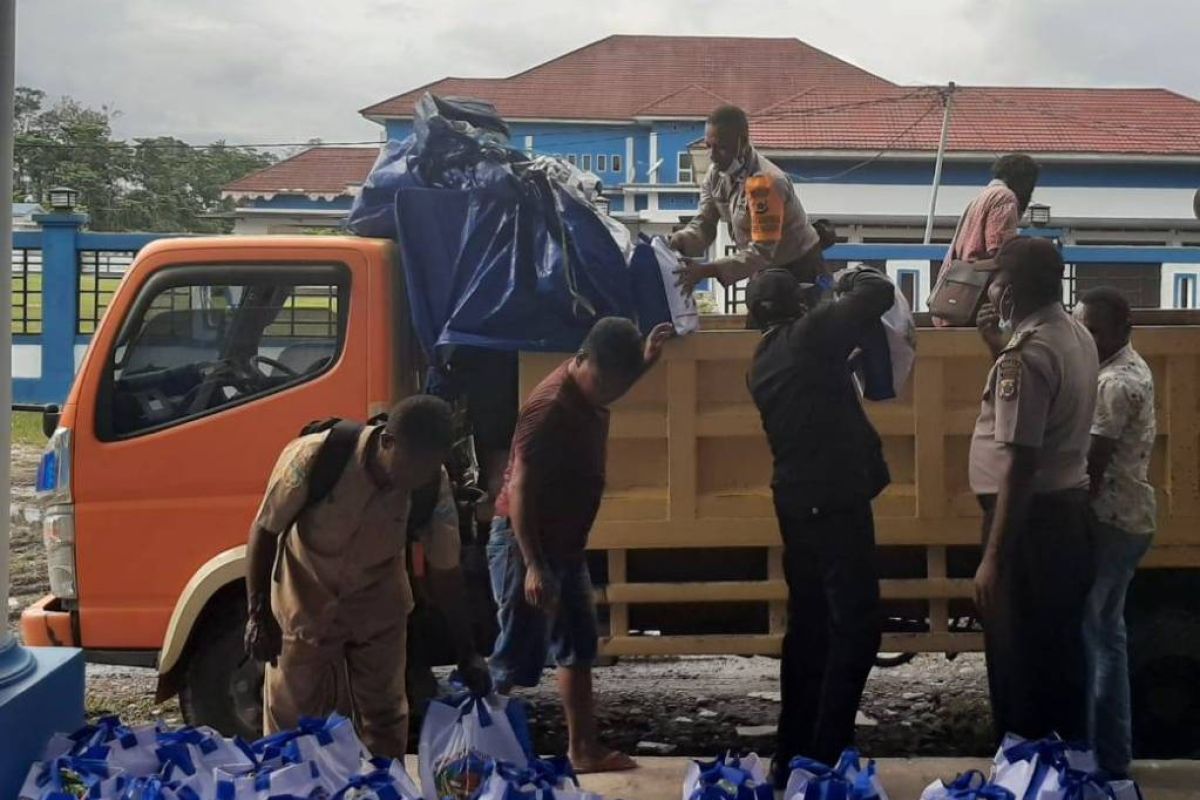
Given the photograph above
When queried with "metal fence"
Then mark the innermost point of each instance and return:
(26, 290)
(100, 271)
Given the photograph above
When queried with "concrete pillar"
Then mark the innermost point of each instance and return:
(60, 300)
(40, 691)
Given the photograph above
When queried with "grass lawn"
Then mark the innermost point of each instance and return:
(94, 298)
(27, 428)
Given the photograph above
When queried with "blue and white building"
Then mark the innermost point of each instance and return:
(1120, 167)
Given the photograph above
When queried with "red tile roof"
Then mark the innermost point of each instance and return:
(617, 77)
(984, 119)
(316, 171)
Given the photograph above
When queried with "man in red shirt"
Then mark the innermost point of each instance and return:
(992, 218)
(551, 494)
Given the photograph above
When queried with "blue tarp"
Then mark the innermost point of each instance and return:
(496, 255)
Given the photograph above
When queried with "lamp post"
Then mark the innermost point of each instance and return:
(1039, 215)
(15, 661)
(62, 199)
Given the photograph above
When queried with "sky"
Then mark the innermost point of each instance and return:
(275, 71)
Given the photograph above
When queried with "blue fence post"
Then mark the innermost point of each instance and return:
(60, 300)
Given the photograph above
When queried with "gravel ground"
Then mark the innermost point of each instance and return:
(687, 706)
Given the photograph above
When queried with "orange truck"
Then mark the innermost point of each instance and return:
(214, 352)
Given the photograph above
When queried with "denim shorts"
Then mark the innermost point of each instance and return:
(528, 634)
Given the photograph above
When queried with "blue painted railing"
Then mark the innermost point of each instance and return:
(61, 239)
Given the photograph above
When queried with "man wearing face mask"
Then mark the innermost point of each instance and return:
(1028, 467)
(756, 200)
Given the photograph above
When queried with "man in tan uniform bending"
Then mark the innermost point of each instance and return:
(340, 595)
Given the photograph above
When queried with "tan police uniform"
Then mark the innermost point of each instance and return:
(765, 218)
(1040, 394)
(342, 597)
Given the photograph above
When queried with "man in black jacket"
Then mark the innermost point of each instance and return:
(828, 466)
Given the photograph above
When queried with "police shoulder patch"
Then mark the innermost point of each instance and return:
(1008, 378)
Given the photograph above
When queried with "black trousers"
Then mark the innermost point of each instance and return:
(833, 629)
(1036, 661)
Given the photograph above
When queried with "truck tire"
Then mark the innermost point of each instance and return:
(221, 687)
(1164, 665)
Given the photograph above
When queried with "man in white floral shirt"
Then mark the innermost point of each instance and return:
(1123, 502)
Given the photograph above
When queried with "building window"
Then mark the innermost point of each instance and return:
(616, 163)
(585, 162)
(571, 158)
(1141, 284)
(683, 172)
(1185, 290)
(602, 163)
(909, 283)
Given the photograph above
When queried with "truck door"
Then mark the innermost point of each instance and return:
(201, 372)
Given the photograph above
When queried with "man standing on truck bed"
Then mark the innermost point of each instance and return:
(757, 201)
(828, 465)
(341, 596)
(551, 494)
(1028, 466)
(1123, 502)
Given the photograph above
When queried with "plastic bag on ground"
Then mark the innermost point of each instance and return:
(381, 779)
(1029, 769)
(332, 744)
(70, 777)
(292, 780)
(191, 757)
(848, 780)
(130, 749)
(971, 785)
(462, 736)
(728, 778)
(543, 779)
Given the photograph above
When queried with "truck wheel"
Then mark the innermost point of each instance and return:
(222, 688)
(1164, 664)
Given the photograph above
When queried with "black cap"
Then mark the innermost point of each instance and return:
(1026, 259)
(774, 294)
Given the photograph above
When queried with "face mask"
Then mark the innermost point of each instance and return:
(737, 164)
(1005, 311)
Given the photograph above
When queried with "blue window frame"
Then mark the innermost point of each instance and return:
(908, 281)
(1185, 289)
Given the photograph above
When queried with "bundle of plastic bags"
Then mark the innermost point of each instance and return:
(728, 778)
(463, 737)
(542, 779)
(847, 780)
(109, 761)
(1053, 769)
(1048, 769)
(499, 250)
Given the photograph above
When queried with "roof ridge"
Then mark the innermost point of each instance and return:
(678, 92)
(276, 164)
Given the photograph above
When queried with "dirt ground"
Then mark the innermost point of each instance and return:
(689, 706)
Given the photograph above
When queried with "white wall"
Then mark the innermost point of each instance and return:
(1169, 273)
(902, 200)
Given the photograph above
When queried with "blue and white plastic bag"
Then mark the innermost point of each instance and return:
(461, 736)
(848, 780)
(728, 778)
(1029, 769)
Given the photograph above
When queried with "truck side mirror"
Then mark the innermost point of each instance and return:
(51, 414)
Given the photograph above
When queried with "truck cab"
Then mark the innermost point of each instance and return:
(213, 354)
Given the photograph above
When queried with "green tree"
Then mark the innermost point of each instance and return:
(156, 184)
